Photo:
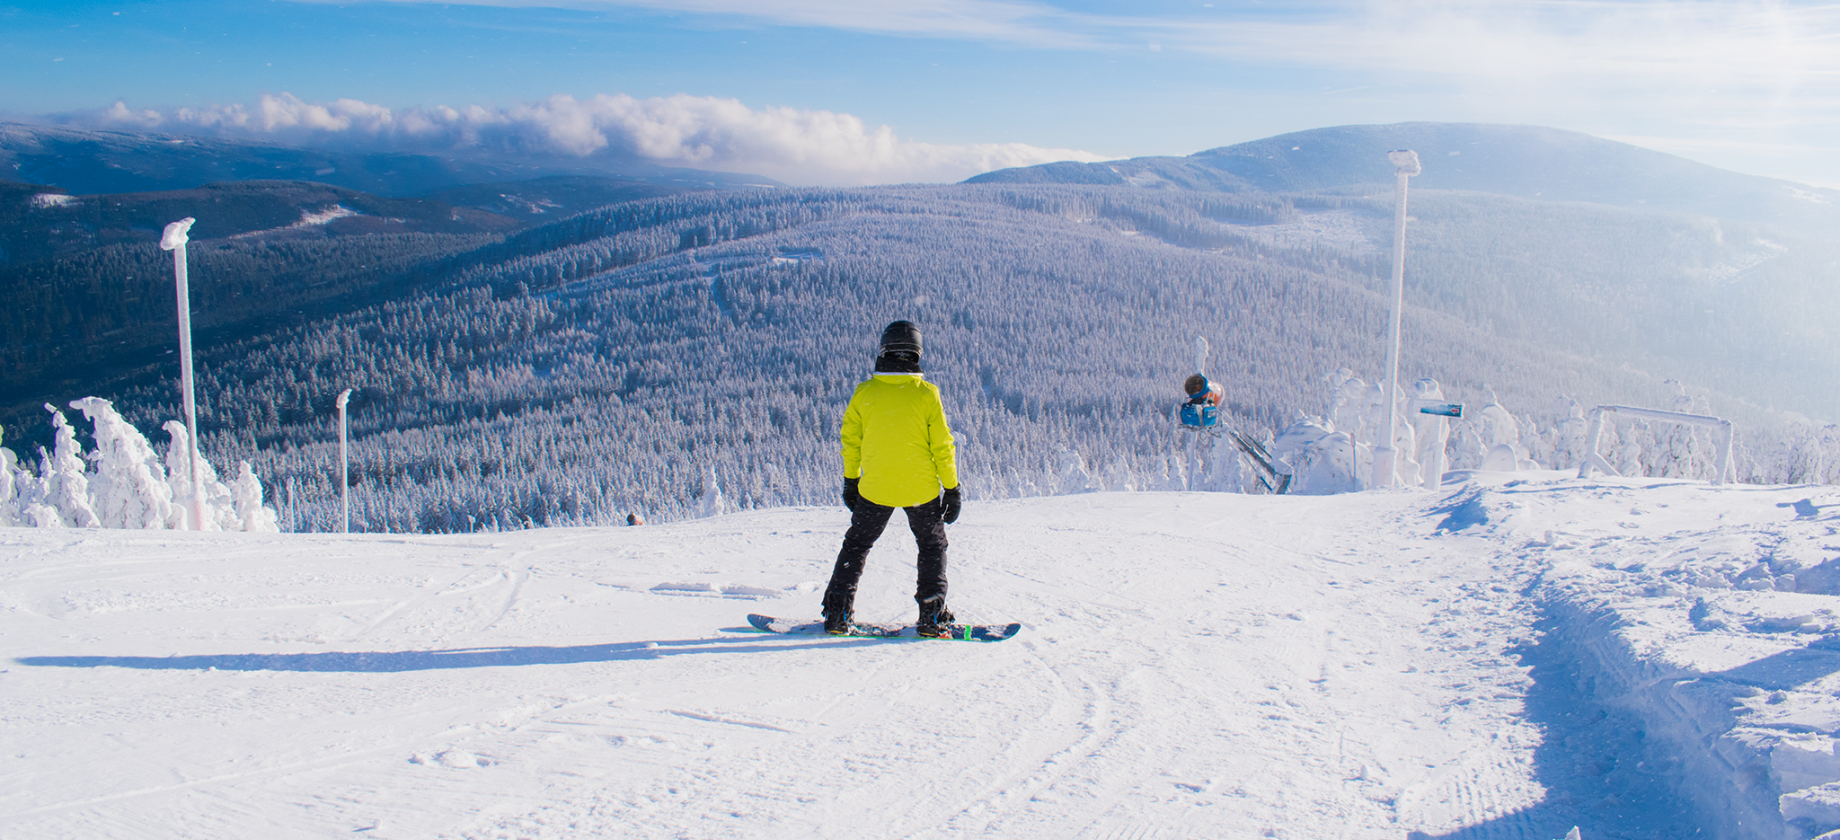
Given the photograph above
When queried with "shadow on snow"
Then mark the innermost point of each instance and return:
(1600, 771)
(384, 662)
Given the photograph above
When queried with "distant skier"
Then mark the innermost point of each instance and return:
(897, 452)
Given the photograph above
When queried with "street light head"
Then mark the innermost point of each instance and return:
(1405, 162)
(344, 398)
(177, 234)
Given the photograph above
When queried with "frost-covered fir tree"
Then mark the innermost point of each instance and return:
(66, 485)
(129, 485)
(1228, 471)
(219, 501)
(251, 513)
(1431, 433)
(122, 484)
(1074, 476)
(712, 503)
(1567, 447)
(1627, 451)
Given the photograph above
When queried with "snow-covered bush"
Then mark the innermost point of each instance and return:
(1227, 470)
(123, 484)
(1801, 453)
(1335, 454)
(1321, 461)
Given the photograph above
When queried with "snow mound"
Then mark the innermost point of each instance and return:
(1711, 615)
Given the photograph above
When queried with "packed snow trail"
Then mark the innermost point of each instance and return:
(1191, 665)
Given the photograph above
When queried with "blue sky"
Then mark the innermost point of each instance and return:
(864, 91)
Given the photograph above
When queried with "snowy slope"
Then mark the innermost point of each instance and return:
(1373, 665)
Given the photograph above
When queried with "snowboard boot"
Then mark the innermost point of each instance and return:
(837, 615)
(935, 620)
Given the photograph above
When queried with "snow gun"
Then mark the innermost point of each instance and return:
(1202, 410)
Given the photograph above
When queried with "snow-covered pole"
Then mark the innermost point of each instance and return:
(1194, 442)
(174, 239)
(344, 467)
(1386, 471)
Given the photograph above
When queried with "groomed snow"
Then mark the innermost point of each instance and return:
(1370, 665)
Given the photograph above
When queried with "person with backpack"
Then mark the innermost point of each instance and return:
(898, 452)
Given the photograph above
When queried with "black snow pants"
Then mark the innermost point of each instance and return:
(866, 524)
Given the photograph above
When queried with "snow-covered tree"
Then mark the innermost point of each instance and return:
(251, 514)
(1074, 476)
(1431, 435)
(122, 485)
(1321, 462)
(712, 502)
(66, 485)
(129, 484)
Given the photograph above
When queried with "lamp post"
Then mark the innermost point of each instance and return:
(344, 466)
(1386, 472)
(174, 239)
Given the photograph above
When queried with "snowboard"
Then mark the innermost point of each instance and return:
(960, 632)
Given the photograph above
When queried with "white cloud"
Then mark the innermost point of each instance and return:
(796, 146)
(1612, 41)
(120, 114)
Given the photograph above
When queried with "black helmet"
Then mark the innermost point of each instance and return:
(900, 337)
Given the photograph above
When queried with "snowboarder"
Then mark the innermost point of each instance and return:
(897, 453)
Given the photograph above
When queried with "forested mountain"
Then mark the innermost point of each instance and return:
(541, 200)
(1524, 161)
(637, 357)
(39, 222)
(89, 295)
(86, 162)
(681, 353)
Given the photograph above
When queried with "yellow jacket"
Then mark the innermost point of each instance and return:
(896, 440)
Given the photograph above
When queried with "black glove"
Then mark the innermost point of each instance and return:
(850, 496)
(949, 504)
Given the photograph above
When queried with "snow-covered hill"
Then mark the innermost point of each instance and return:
(1636, 658)
(1526, 161)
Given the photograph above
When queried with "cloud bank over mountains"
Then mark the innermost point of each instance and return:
(802, 147)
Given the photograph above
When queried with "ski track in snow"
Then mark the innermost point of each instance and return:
(1191, 665)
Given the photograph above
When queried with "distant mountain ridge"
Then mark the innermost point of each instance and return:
(1533, 162)
(87, 162)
